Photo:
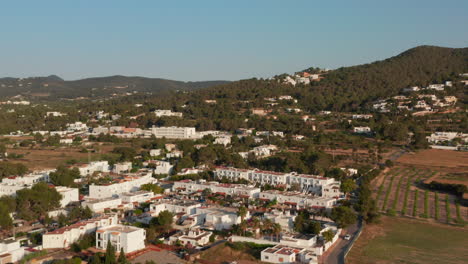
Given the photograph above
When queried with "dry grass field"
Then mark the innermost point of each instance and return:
(403, 240)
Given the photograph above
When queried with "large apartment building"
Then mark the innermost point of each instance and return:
(307, 183)
(241, 190)
(175, 132)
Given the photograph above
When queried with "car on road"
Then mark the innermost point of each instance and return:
(347, 237)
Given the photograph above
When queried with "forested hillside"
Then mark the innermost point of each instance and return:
(348, 88)
(53, 87)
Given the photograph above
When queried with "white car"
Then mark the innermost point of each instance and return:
(347, 237)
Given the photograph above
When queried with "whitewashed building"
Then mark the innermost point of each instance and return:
(127, 238)
(194, 237)
(69, 195)
(65, 236)
(11, 251)
(129, 183)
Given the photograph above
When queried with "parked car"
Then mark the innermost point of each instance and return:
(347, 237)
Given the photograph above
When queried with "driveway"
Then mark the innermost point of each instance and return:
(335, 255)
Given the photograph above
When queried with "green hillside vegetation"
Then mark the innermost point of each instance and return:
(53, 87)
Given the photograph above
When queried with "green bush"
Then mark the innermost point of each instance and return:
(447, 207)
(426, 204)
(415, 205)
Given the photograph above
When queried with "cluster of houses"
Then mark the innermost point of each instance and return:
(418, 101)
(301, 78)
(195, 217)
(448, 140)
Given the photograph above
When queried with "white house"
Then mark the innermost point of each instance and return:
(69, 195)
(174, 206)
(155, 152)
(10, 185)
(65, 236)
(219, 218)
(131, 182)
(194, 237)
(223, 140)
(160, 167)
(100, 205)
(122, 167)
(11, 251)
(94, 166)
(362, 130)
(127, 238)
(136, 197)
(160, 113)
(280, 254)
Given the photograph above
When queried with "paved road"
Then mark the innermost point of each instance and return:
(336, 256)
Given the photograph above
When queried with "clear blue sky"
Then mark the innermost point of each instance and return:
(206, 40)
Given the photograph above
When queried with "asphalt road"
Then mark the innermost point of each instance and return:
(336, 256)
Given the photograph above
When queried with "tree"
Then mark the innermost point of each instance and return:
(348, 185)
(164, 221)
(110, 254)
(5, 219)
(64, 176)
(122, 258)
(242, 212)
(328, 235)
(343, 216)
(126, 153)
(276, 229)
(96, 259)
(152, 188)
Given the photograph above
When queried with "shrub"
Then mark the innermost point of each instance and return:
(387, 194)
(426, 204)
(415, 205)
(447, 207)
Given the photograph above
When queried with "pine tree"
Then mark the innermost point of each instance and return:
(96, 259)
(122, 258)
(110, 254)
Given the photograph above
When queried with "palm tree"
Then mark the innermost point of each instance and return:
(242, 212)
(276, 229)
(267, 224)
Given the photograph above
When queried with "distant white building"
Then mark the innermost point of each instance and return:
(175, 132)
(122, 167)
(66, 141)
(160, 113)
(77, 126)
(54, 114)
(65, 236)
(160, 166)
(155, 152)
(362, 130)
(95, 166)
(127, 238)
(223, 140)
